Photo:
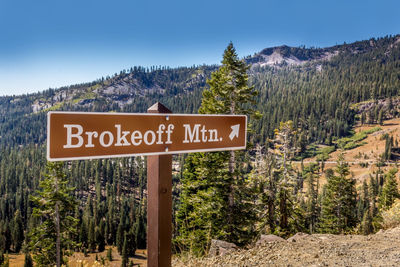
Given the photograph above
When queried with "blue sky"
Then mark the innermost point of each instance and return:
(51, 43)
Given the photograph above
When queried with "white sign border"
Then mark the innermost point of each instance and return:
(141, 154)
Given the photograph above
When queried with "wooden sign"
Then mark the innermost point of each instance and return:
(84, 135)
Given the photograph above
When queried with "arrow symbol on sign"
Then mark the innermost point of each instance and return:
(235, 131)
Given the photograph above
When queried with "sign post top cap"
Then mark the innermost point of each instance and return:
(158, 108)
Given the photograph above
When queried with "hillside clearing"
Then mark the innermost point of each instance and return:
(362, 159)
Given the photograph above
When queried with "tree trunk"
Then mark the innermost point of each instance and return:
(232, 184)
(283, 210)
(58, 241)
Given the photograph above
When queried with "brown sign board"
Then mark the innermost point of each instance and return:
(86, 135)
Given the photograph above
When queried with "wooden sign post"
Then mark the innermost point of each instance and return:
(159, 205)
(157, 134)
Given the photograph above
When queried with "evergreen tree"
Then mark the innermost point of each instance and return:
(388, 147)
(264, 180)
(17, 232)
(28, 260)
(101, 243)
(214, 208)
(109, 254)
(92, 236)
(120, 233)
(200, 216)
(285, 148)
(312, 208)
(365, 212)
(53, 237)
(390, 190)
(366, 223)
(125, 254)
(6, 262)
(140, 232)
(338, 211)
(380, 117)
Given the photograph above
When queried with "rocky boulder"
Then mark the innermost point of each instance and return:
(269, 239)
(219, 247)
(297, 237)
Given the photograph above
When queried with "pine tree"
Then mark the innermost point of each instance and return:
(101, 243)
(380, 117)
(285, 148)
(6, 262)
(365, 212)
(28, 260)
(388, 147)
(140, 232)
(92, 236)
(214, 208)
(125, 254)
(338, 211)
(17, 232)
(268, 183)
(373, 193)
(312, 208)
(54, 205)
(203, 205)
(390, 190)
(366, 223)
(120, 233)
(109, 254)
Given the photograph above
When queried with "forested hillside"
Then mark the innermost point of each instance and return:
(317, 89)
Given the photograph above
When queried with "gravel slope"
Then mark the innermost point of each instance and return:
(381, 249)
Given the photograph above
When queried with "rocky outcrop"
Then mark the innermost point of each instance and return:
(297, 237)
(264, 239)
(219, 247)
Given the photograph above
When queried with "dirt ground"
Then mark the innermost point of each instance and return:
(79, 260)
(381, 249)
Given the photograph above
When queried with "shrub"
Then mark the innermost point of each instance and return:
(391, 217)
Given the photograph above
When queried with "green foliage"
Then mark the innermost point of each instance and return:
(322, 152)
(390, 191)
(387, 155)
(6, 261)
(17, 232)
(391, 217)
(28, 260)
(354, 141)
(125, 252)
(109, 254)
(312, 206)
(229, 92)
(339, 201)
(53, 206)
(212, 203)
(202, 211)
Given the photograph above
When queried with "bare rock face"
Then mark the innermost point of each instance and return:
(264, 239)
(219, 247)
(297, 237)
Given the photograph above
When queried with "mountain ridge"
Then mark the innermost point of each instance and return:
(127, 84)
(315, 73)
(287, 55)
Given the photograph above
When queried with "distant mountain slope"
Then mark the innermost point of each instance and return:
(314, 87)
(286, 55)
